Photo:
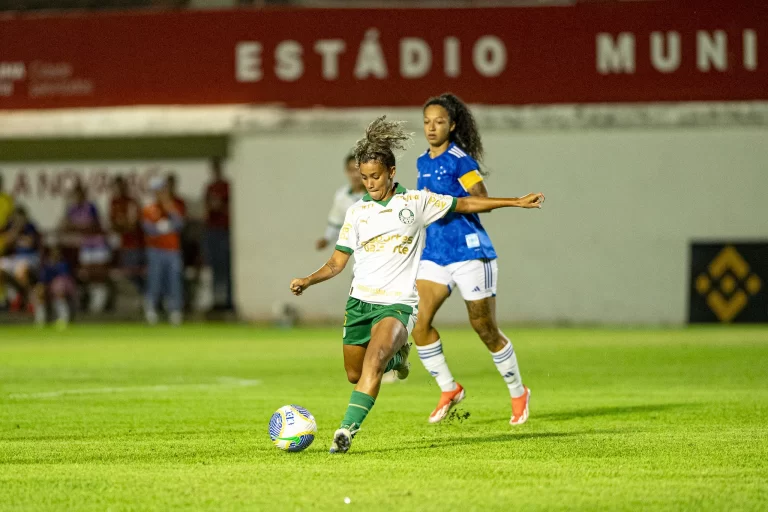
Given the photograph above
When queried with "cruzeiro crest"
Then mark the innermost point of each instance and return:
(407, 216)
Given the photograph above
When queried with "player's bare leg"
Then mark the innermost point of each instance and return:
(353, 362)
(431, 296)
(482, 316)
(388, 337)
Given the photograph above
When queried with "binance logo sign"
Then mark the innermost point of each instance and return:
(727, 284)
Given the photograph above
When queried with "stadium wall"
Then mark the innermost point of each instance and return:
(610, 246)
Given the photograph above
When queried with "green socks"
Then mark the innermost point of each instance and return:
(359, 406)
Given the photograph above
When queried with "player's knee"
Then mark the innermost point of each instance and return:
(353, 375)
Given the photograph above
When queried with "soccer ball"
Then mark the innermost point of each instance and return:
(292, 428)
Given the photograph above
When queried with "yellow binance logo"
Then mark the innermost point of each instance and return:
(727, 284)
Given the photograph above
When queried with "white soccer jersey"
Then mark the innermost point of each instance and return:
(387, 239)
(343, 199)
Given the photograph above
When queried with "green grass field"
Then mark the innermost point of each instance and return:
(133, 418)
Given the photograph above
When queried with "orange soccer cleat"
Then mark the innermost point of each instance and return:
(520, 408)
(447, 400)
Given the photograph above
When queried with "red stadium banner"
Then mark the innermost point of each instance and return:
(588, 53)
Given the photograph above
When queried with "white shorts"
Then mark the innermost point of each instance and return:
(476, 279)
(94, 255)
(10, 263)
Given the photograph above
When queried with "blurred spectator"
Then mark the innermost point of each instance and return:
(191, 235)
(173, 190)
(6, 205)
(162, 222)
(125, 216)
(82, 222)
(17, 267)
(6, 209)
(56, 288)
(216, 241)
(344, 197)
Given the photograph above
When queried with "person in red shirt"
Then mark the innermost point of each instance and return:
(125, 217)
(162, 222)
(216, 244)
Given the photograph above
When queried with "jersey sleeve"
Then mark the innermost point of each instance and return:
(347, 235)
(468, 173)
(435, 206)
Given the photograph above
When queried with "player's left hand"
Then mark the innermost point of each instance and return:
(299, 285)
(532, 200)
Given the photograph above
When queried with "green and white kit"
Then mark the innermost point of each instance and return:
(387, 239)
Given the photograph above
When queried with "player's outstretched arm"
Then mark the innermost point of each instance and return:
(332, 268)
(474, 204)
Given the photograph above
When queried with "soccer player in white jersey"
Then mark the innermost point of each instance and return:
(459, 254)
(344, 197)
(386, 232)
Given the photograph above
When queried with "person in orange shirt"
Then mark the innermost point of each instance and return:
(162, 222)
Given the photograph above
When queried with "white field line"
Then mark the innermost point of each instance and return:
(221, 382)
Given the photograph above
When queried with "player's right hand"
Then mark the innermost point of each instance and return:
(299, 285)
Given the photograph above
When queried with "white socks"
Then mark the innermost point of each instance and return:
(60, 306)
(62, 310)
(40, 313)
(99, 296)
(433, 359)
(506, 362)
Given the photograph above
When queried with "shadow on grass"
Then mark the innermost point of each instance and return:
(462, 441)
(594, 412)
(611, 411)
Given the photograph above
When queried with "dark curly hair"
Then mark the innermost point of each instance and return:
(465, 134)
(382, 139)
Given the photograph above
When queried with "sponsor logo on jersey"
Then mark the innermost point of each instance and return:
(344, 233)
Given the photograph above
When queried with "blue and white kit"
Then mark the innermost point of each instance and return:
(458, 251)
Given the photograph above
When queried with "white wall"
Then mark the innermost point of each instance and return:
(610, 245)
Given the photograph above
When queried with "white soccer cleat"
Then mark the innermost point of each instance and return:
(402, 371)
(342, 440)
(389, 377)
(447, 400)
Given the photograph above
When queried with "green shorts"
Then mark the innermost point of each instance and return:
(360, 318)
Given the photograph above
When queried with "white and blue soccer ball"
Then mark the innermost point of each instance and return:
(292, 428)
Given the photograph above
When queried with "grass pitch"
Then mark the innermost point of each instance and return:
(135, 418)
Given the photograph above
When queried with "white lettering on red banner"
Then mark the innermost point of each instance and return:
(589, 53)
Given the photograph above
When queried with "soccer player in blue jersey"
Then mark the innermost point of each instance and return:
(459, 254)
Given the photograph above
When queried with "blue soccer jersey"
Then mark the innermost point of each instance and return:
(456, 237)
